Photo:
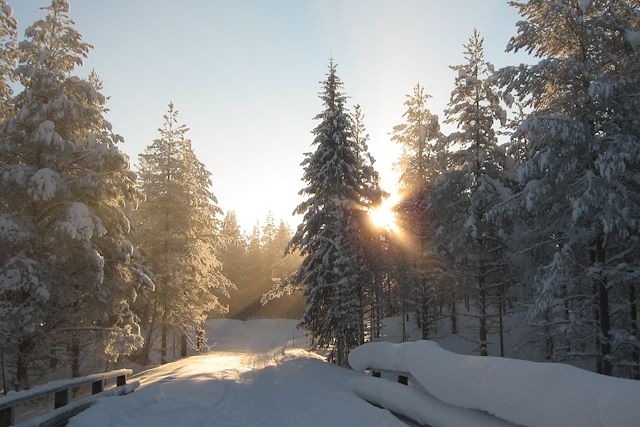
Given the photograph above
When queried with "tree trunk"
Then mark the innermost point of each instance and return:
(483, 313)
(500, 312)
(340, 351)
(53, 359)
(163, 339)
(22, 368)
(404, 309)
(454, 316)
(183, 344)
(548, 339)
(603, 310)
(146, 348)
(424, 313)
(467, 302)
(633, 317)
(4, 372)
(75, 357)
(200, 339)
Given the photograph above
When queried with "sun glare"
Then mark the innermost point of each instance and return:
(383, 216)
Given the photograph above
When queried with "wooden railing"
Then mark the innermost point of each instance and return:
(403, 377)
(63, 405)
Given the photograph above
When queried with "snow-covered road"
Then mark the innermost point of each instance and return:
(247, 380)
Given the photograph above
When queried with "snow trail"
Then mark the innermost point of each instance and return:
(247, 380)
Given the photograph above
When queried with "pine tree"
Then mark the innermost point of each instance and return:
(421, 162)
(178, 233)
(233, 253)
(474, 182)
(333, 216)
(8, 56)
(579, 178)
(66, 270)
(372, 241)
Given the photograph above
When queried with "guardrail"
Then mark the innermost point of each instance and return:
(63, 406)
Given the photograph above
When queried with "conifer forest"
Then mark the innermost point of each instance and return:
(513, 228)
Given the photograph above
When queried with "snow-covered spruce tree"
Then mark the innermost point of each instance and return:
(233, 252)
(371, 240)
(473, 183)
(420, 164)
(66, 275)
(8, 56)
(178, 234)
(339, 190)
(580, 175)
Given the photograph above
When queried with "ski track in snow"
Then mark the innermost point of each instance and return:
(247, 380)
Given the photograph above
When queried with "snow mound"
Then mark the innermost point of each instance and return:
(522, 392)
(420, 407)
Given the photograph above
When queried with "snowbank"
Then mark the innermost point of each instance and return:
(522, 392)
(418, 406)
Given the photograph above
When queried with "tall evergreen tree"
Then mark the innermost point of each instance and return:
(66, 267)
(233, 254)
(178, 233)
(581, 173)
(333, 217)
(8, 56)
(421, 162)
(474, 182)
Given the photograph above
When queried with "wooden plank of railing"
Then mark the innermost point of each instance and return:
(60, 416)
(60, 390)
(403, 379)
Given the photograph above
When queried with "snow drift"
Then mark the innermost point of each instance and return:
(522, 392)
(420, 407)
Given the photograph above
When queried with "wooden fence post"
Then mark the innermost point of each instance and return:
(7, 417)
(97, 386)
(60, 398)
(121, 380)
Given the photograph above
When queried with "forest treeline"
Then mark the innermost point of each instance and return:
(97, 261)
(545, 222)
(255, 262)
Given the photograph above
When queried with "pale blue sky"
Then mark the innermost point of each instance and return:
(244, 75)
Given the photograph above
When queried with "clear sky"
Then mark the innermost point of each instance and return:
(244, 75)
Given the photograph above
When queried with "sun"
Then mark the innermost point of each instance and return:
(384, 216)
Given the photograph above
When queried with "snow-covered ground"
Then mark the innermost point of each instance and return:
(521, 392)
(257, 374)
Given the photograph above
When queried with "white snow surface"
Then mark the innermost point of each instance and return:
(522, 392)
(255, 376)
(420, 407)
